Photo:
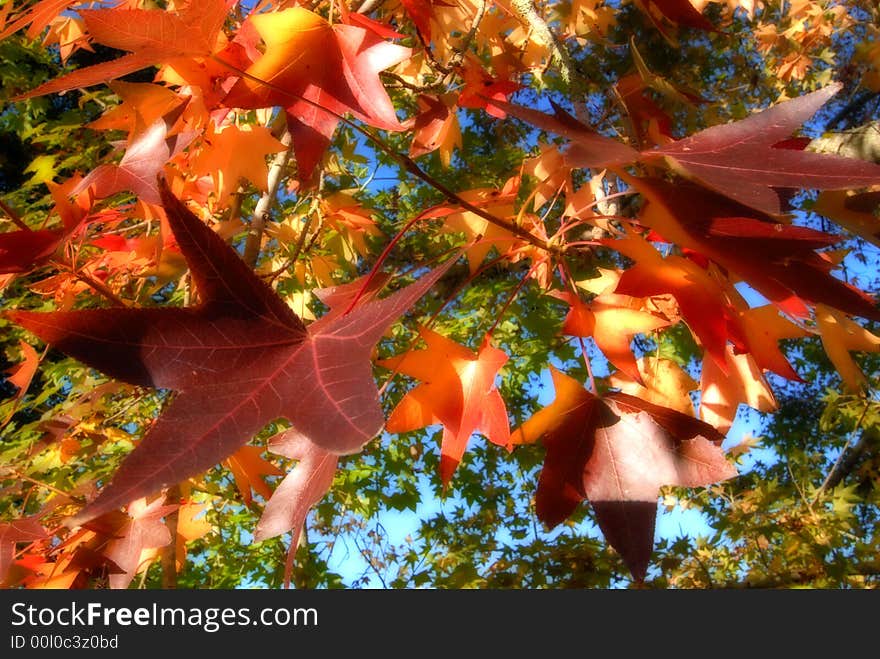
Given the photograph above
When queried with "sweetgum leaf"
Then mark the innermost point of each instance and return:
(238, 360)
(745, 160)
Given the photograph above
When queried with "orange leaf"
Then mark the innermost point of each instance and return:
(22, 373)
(612, 321)
(248, 469)
(763, 328)
(699, 297)
(234, 153)
(151, 36)
(458, 392)
(722, 393)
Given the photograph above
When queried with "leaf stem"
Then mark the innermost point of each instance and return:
(514, 293)
(569, 283)
(18, 474)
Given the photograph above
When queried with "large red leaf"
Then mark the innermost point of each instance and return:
(743, 160)
(238, 360)
(618, 452)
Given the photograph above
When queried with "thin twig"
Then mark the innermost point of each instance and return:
(461, 50)
(18, 474)
(14, 216)
(94, 284)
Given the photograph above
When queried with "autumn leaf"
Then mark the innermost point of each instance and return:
(665, 384)
(723, 390)
(145, 530)
(741, 161)
(21, 250)
(318, 72)
(854, 212)
(37, 17)
(302, 488)
(778, 260)
(152, 36)
(482, 90)
(68, 33)
(234, 153)
(237, 361)
(143, 160)
(11, 533)
(21, 375)
(646, 450)
(588, 148)
(191, 525)
(618, 452)
(700, 299)
(141, 105)
(612, 321)
(763, 328)
(435, 128)
(248, 469)
(458, 391)
(840, 336)
(568, 427)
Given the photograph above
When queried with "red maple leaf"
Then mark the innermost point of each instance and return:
(238, 360)
(745, 160)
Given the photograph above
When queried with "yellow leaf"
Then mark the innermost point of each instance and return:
(666, 384)
(840, 336)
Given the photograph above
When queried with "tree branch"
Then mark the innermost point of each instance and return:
(369, 5)
(559, 57)
(867, 439)
(261, 212)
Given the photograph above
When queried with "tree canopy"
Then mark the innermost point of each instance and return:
(529, 273)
